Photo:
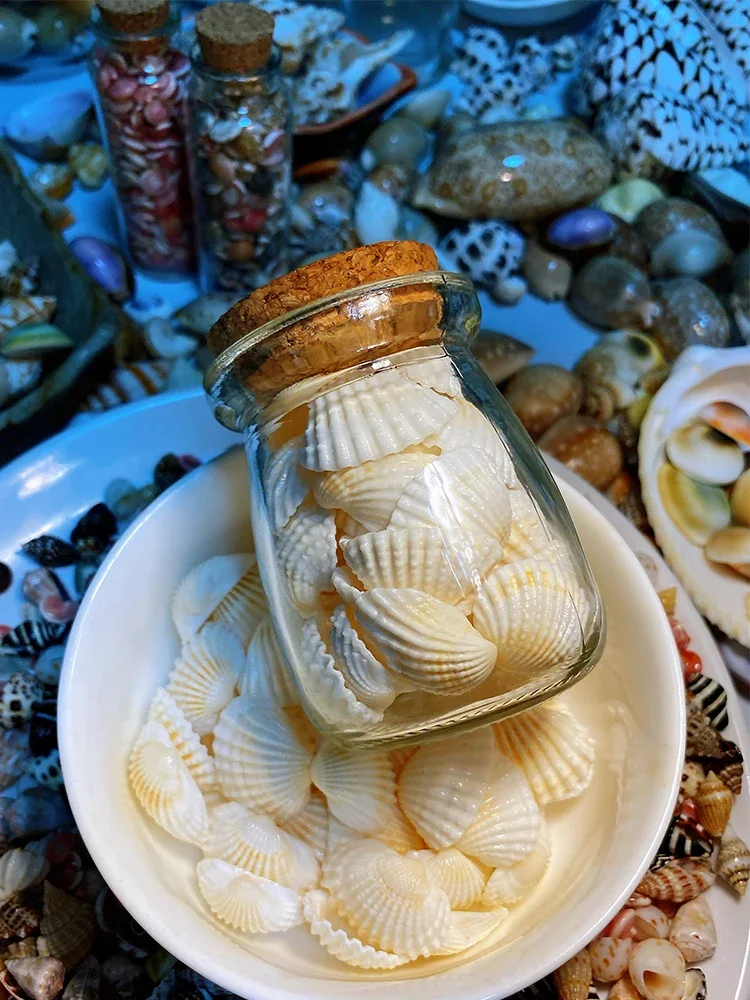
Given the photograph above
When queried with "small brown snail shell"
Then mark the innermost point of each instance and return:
(586, 447)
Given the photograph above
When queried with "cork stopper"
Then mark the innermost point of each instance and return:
(134, 17)
(234, 37)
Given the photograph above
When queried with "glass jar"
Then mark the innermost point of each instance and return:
(140, 78)
(423, 573)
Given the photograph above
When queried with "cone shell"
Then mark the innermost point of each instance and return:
(400, 834)
(471, 428)
(67, 928)
(19, 870)
(552, 749)
(325, 686)
(693, 931)
(165, 711)
(677, 881)
(283, 483)
(657, 970)
(165, 787)
(443, 785)
(436, 373)
(245, 901)
(307, 556)
(358, 786)
(469, 928)
(260, 762)
(624, 990)
(206, 674)
(528, 532)
(510, 885)
(460, 878)
(204, 588)
(574, 977)
(425, 641)
(508, 822)
(733, 864)
(265, 674)
(326, 926)
(362, 671)
(714, 802)
(370, 418)
(609, 958)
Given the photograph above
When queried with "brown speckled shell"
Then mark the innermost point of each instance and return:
(574, 977)
(586, 447)
(677, 881)
(540, 395)
(714, 801)
(733, 863)
(688, 312)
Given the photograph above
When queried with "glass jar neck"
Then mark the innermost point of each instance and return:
(147, 42)
(263, 79)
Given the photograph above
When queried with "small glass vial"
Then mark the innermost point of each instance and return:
(140, 76)
(241, 142)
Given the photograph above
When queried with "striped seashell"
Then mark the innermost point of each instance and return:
(206, 674)
(693, 774)
(19, 870)
(326, 687)
(67, 927)
(399, 834)
(310, 825)
(165, 711)
(714, 802)
(472, 428)
(623, 989)
(265, 674)
(358, 786)
(711, 697)
(245, 901)
(506, 886)
(732, 775)
(657, 970)
(341, 942)
(695, 985)
(609, 958)
(18, 919)
(31, 637)
(126, 384)
(528, 532)
(468, 928)
(435, 373)
(370, 418)
(693, 931)
(677, 881)
(733, 863)
(574, 977)
(678, 843)
(364, 674)
(204, 588)
(306, 554)
(460, 878)
(284, 484)
(648, 922)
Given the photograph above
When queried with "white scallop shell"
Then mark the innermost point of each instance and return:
(530, 610)
(506, 886)
(368, 493)
(283, 484)
(347, 527)
(307, 555)
(311, 824)
(165, 787)
(460, 878)
(339, 838)
(205, 675)
(553, 749)
(249, 840)
(245, 901)
(259, 759)
(399, 833)
(364, 674)
(165, 710)
(265, 674)
(244, 607)
(468, 928)
(470, 428)
(340, 941)
(391, 900)
(370, 418)
(462, 493)
(20, 869)
(358, 786)
(443, 785)
(435, 373)
(346, 584)
(204, 588)
(400, 757)
(528, 532)
(429, 643)
(508, 822)
(325, 686)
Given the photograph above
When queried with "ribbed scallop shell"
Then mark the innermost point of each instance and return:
(204, 588)
(468, 928)
(265, 673)
(243, 607)
(470, 428)
(358, 786)
(429, 643)
(443, 785)
(506, 886)
(245, 901)
(527, 610)
(435, 373)
(340, 838)
(460, 878)
(391, 900)
(364, 674)
(368, 493)
(338, 940)
(462, 493)
(346, 584)
(165, 787)
(259, 759)
(554, 751)
(371, 418)
(311, 824)
(400, 757)
(165, 710)
(528, 532)
(20, 869)
(283, 482)
(399, 833)
(325, 684)
(307, 555)
(508, 822)
(248, 840)
(206, 674)
(347, 527)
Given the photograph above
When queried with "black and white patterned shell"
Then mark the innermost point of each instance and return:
(489, 252)
(731, 18)
(711, 697)
(481, 53)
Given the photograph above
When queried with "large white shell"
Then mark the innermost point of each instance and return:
(506, 886)
(435, 373)
(391, 900)
(206, 674)
(528, 532)
(245, 901)
(265, 674)
(326, 687)
(368, 493)
(468, 928)
(259, 760)
(460, 878)
(399, 833)
(311, 824)
(364, 674)
(307, 555)
(553, 749)
(20, 869)
(358, 785)
(327, 927)
(204, 588)
(283, 483)
(165, 787)
(508, 822)
(443, 785)
(371, 418)
(200, 763)
(470, 428)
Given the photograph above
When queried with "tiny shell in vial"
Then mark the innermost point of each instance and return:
(358, 786)
(328, 927)
(307, 555)
(206, 674)
(265, 673)
(204, 588)
(472, 428)
(457, 875)
(245, 901)
(283, 483)
(364, 674)
(528, 532)
(324, 684)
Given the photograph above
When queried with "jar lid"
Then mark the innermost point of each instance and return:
(134, 17)
(234, 37)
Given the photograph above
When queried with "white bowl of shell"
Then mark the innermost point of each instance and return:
(463, 869)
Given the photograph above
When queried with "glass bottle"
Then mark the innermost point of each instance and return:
(423, 572)
(140, 77)
(241, 141)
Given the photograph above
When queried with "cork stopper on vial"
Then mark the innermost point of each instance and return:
(234, 37)
(134, 17)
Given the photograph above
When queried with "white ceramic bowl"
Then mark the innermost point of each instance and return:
(122, 647)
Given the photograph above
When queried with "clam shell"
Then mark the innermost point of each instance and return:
(714, 802)
(573, 978)
(469, 928)
(704, 454)
(310, 825)
(206, 674)
(460, 878)
(677, 881)
(469, 427)
(733, 863)
(283, 483)
(165, 787)
(609, 958)
(399, 834)
(245, 901)
(20, 869)
(325, 685)
(362, 671)
(506, 886)
(552, 749)
(167, 713)
(358, 786)
(528, 532)
(426, 641)
(259, 759)
(508, 822)
(306, 553)
(693, 931)
(370, 418)
(343, 944)
(265, 674)
(204, 588)
(657, 970)
(436, 373)
(67, 928)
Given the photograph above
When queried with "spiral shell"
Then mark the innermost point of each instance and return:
(695, 985)
(326, 686)
(711, 698)
(327, 927)
(67, 927)
(460, 878)
(733, 863)
(283, 483)
(609, 958)
(245, 901)
(206, 674)
(650, 921)
(310, 825)
(306, 554)
(265, 674)
(506, 886)
(714, 802)
(204, 588)
(468, 928)
(362, 671)
(573, 978)
(677, 881)
(165, 711)
(358, 786)
(693, 931)
(472, 428)
(657, 970)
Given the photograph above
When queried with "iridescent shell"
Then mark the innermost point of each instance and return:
(528, 532)
(460, 878)
(167, 713)
(265, 674)
(362, 671)
(206, 674)
(733, 864)
(325, 684)
(552, 749)
(468, 928)
(358, 786)
(693, 931)
(311, 824)
(67, 928)
(20, 869)
(573, 978)
(306, 555)
(204, 588)
(714, 802)
(657, 970)
(341, 942)
(677, 881)
(609, 958)
(245, 901)
(283, 483)
(510, 885)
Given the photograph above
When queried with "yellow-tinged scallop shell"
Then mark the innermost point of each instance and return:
(468, 928)
(368, 493)
(249, 840)
(306, 553)
(326, 687)
(506, 886)
(470, 428)
(206, 674)
(508, 823)
(553, 749)
(259, 759)
(425, 641)
(204, 588)
(443, 785)
(265, 674)
(399, 833)
(460, 878)
(347, 527)
(284, 484)
(340, 837)
(165, 787)
(391, 900)
(346, 584)
(339, 940)
(165, 711)
(311, 824)
(435, 373)
(358, 786)
(370, 418)
(364, 674)
(244, 607)
(245, 901)
(528, 532)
